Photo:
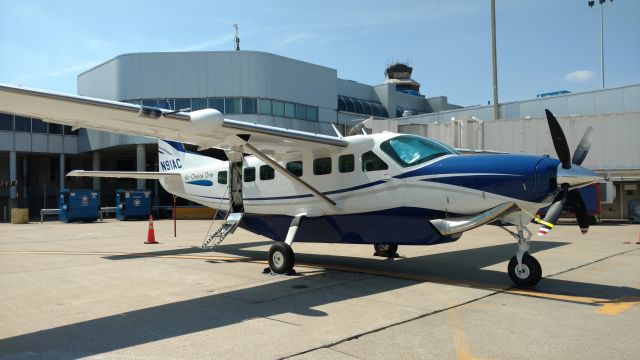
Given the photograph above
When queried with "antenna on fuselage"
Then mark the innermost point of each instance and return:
(237, 38)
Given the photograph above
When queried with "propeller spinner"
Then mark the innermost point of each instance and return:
(570, 176)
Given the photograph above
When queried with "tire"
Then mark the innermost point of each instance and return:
(281, 258)
(530, 273)
(386, 250)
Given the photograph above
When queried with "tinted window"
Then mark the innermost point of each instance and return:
(150, 102)
(216, 103)
(38, 126)
(264, 107)
(6, 122)
(68, 131)
(409, 150)
(23, 124)
(165, 104)
(289, 110)
(371, 162)
(249, 106)
(222, 177)
(249, 174)
(312, 113)
(266, 172)
(322, 166)
(232, 106)
(346, 163)
(55, 128)
(301, 112)
(182, 104)
(295, 167)
(278, 108)
(198, 104)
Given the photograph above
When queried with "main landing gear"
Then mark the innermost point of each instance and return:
(385, 250)
(524, 269)
(281, 257)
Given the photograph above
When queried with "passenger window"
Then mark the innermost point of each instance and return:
(222, 177)
(295, 167)
(249, 174)
(346, 163)
(267, 172)
(371, 162)
(322, 166)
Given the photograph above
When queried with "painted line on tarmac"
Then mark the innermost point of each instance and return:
(606, 306)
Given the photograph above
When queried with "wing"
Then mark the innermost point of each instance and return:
(205, 128)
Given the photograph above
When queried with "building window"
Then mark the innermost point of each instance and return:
(22, 123)
(361, 106)
(198, 104)
(55, 129)
(249, 105)
(6, 122)
(295, 167)
(216, 103)
(232, 106)
(346, 163)
(312, 113)
(301, 112)
(222, 177)
(322, 166)
(39, 126)
(278, 108)
(150, 102)
(264, 107)
(289, 110)
(167, 104)
(182, 104)
(68, 131)
(249, 174)
(267, 172)
(371, 162)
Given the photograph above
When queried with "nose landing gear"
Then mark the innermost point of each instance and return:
(524, 270)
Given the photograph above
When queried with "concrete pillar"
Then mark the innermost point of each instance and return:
(62, 174)
(141, 164)
(12, 177)
(96, 167)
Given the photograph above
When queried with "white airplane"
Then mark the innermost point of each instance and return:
(383, 189)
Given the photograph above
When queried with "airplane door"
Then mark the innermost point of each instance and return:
(235, 186)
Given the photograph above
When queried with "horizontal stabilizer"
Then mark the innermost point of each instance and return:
(126, 174)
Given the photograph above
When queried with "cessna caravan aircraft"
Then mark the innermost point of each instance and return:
(382, 189)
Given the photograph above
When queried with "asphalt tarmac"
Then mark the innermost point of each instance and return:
(96, 290)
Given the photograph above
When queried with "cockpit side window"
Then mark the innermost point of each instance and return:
(409, 150)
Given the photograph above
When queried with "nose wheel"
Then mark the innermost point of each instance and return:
(524, 270)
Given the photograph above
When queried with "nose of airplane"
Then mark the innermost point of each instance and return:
(576, 176)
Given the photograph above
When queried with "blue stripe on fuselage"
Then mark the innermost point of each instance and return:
(509, 175)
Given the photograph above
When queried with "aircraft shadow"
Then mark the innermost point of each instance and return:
(155, 323)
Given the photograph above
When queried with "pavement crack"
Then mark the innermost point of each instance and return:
(591, 262)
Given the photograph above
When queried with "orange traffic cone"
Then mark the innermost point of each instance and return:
(638, 242)
(151, 235)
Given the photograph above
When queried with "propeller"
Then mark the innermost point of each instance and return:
(567, 196)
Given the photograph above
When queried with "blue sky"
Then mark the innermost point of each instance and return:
(543, 45)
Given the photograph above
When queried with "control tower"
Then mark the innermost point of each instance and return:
(400, 75)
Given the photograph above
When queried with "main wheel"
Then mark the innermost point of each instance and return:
(386, 250)
(281, 258)
(528, 273)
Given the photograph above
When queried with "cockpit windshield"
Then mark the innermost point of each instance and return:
(408, 150)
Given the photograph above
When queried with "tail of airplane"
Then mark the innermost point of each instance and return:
(173, 157)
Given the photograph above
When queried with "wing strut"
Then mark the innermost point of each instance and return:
(262, 156)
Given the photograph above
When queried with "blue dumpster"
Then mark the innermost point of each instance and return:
(79, 205)
(133, 204)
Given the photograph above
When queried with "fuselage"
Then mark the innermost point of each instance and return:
(404, 178)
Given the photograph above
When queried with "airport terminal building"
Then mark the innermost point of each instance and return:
(269, 89)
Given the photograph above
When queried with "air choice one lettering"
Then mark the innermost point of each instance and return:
(172, 164)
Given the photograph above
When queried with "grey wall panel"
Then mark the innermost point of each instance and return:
(632, 98)
(40, 143)
(355, 89)
(23, 141)
(557, 104)
(580, 104)
(610, 101)
(6, 140)
(55, 144)
(70, 144)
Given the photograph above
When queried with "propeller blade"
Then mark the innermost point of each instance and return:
(575, 199)
(559, 141)
(553, 213)
(583, 147)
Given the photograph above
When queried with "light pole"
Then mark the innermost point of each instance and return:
(601, 2)
(494, 60)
